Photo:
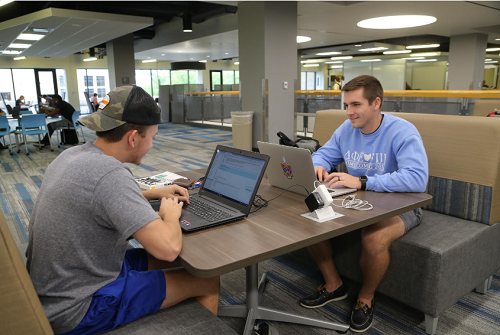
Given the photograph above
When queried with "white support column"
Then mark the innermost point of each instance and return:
(466, 61)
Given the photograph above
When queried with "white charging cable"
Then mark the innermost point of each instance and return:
(350, 202)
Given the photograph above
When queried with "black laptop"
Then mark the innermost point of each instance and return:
(228, 190)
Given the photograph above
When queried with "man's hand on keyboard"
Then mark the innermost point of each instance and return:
(170, 208)
(168, 192)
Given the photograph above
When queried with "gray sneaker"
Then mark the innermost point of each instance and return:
(321, 297)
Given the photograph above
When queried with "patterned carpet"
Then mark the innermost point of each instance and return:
(181, 147)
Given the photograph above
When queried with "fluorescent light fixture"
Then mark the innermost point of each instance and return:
(423, 46)
(4, 2)
(309, 61)
(335, 62)
(495, 61)
(374, 49)
(19, 58)
(30, 37)
(424, 54)
(492, 49)
(92, 59)
(311, 65)
(414, 58)
(329, 53)
(148, 61)
(302, 39)
(336, 67)
(236, 63)
(426, 60)
(203, 61)
(41, 30)
(357, 45)
(370, 60)
(339, 58)
(487, 60)
(396, 52)
(11, 52)
(497, 39)
(19, 46)
(397, 21)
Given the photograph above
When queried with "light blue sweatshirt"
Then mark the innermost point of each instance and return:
(393, 157)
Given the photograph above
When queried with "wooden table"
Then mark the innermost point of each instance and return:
(273, 231)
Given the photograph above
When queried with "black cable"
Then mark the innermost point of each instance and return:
(260, 202)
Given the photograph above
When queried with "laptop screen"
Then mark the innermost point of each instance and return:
(234, 177)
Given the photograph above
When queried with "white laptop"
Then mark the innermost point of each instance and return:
(290, 165)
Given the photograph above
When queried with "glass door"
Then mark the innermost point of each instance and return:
(46, 83)
(216, 80)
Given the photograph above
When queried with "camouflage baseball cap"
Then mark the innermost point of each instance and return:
(123, 104)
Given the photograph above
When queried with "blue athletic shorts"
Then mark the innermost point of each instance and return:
(135, 293)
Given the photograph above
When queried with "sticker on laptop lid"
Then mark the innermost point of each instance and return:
(287, 169)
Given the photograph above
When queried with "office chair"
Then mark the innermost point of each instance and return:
(76, 126)
(34, 124)
(5, 130)
(9, 109)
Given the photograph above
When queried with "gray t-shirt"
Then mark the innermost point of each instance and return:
(87, 208)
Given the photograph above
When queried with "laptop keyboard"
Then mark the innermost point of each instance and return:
(206, 211)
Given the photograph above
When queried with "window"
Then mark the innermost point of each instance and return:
(88, 80)
(62, 82)
(91, 91)
(307, 80)
(100, 81)
(101, 92)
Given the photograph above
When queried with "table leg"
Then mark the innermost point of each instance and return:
(252, 311)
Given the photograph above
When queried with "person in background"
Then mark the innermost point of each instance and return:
(87, 279)
(484, 84)
(48, 101)
(383, 153)
(20, 102)
(62, 108)
(336, 84)
(95, 103)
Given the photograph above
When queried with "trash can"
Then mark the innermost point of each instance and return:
(242, 130)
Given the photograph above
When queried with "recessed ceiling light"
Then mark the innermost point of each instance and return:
(203, 61)
(302, 39)
(311, 65)
(149, 57)
(487, 60)
(19, 46)
(336, 62)
(343, 57)
(11, 52)
(163, 54)
(397, 21)
(227, 53)
(191, 58)
(357, 45)
(396, 52)
(329, 53)
(373, 49)
(497, 39)
(208, 56)
(20, 58)
(148, 61)
(426, 60)
(495, 61)
(424, 54)
(414, 58)
(492, 49)
(236, 63)
(93, 58)
(30, 37)
(336, 67)
(309, 61)
(370, 60)
(423, 46)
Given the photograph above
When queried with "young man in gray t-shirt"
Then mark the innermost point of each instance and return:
(88, 207)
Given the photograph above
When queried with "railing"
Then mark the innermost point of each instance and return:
(216, 107)
(410, 101)
(211, 107)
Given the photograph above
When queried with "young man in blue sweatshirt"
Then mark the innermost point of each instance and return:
(383, 153)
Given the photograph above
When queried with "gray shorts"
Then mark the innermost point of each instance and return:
(412, 219)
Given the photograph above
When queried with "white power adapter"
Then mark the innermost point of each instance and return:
(319, 198)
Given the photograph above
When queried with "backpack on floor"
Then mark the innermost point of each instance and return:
(69, 136)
